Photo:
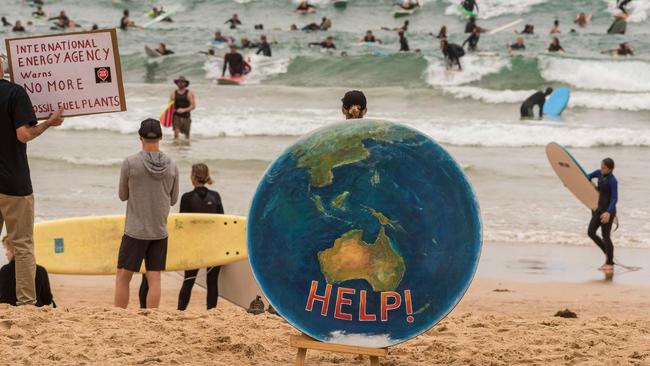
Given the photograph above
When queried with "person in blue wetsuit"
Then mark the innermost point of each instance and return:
(604, 215)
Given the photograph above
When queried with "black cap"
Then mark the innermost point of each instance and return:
(354, 97)
(150, 129)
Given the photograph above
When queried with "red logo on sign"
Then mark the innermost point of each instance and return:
(102, 73)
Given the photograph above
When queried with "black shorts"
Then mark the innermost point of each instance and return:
(134, 251)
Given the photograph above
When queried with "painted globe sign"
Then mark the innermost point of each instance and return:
(364, 233)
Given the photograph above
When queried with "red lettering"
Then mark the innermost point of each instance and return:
(363, 316)
(340, 301)
(386, 307)
(325, 299)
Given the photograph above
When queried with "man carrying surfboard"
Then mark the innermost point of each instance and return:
(604, 215)
(149, 184)
(184, 103)
(18, 126)
(537, 99)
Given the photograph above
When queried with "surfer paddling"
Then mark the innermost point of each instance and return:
(604, 215)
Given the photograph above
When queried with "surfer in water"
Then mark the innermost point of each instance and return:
(555, 29)
(471, 26)
(370, 38)
(582, 19)
(442, 34)
(624, 49)
(469, 5)
(452, 53)
(555, 46)
(264, 47)
(519, 45)
(537, 99)
(528, 29)
(163, 50)
(126, 22)
(234, 21)
(327, 44)
(472, 40)
(409, 4)
(62, 20)
(220, 38)
(184, 103)
(234, 62)
(5, 22)
(604, 215)
(305, 7)
(354, 105)
(403, 42)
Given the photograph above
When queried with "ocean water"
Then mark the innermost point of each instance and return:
(475, 114)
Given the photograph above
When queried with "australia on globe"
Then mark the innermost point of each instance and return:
(364, 233)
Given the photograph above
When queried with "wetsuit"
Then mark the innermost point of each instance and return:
(8, 286)
(124, 23)
(470, 26)
(264, 49)
(233, 23)
(323, 45)
(607, 199)
(403, 44)
(624, 52)
(369, 39)
(469, 5)
(18, 29)
(453, 53)
(200, 200)
(472, 41)
(527, 106)
(517, 47)
(64, 21)
(554, 48)
(165, 53)
(235, 64)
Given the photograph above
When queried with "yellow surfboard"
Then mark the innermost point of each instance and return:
(90, 245)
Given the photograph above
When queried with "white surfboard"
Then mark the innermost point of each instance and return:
(505, 26)
(161, 17)
(237, 284)
(572, 175)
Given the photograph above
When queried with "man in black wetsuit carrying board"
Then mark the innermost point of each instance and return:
(537, 99)
(234, 62)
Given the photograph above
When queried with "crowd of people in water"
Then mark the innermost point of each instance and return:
(452, 52)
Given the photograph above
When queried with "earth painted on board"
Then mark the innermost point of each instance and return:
(364, 233)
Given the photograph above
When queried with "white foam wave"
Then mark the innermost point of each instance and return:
(262, 67)
(559, 237)
(638, 10)
(474, 68)
(584, 99)
(495, 8)
(625, 76)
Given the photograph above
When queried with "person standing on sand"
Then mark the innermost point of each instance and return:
(184, 103)
(200, 200)
(354, 105)
(604, 215)
(18, 126)
(149, 184)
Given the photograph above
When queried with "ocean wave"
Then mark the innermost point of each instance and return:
(494, 8)
(474, 68)
(559, 237)
(625, 76)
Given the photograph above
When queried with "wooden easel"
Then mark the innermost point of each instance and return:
(303, 343)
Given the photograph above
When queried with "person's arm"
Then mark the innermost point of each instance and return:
(123, 191)
(25, 121)
(614, 196)
(192, 100)
(259, 50)
(225, 65)
(467, 40)
(594, 174)
(175, 189)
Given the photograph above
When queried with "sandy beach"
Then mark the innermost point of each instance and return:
(498, 322)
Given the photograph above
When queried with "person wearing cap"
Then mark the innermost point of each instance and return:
(234, 62)
(354, 105)
(184, 103)
(149, 184)
(18, 126)
(537, 99)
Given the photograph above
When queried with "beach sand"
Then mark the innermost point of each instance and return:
(497, 323)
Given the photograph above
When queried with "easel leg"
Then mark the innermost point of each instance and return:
(374, 361)
(300, 358)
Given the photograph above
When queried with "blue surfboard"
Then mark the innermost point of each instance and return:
(557, 102)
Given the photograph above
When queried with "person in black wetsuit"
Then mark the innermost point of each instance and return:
(328, 43)
(442, 34)
(624, 49)
(264, 47)
(604, 215)
(5, 22)
(555, 46)
(126, 22)
(622, 4)
(163, 50)
(18, 27)
(234, 62)
(8, 282)
(403, 42)
(537, 99)
(370, 38)
(452, 53)
(200, 200)
(472, 40)
(234, 21)
(471, 26)
(469, 5)
(184, 103)
(62, 20)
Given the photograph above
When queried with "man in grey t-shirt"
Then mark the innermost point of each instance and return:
(149, 184)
